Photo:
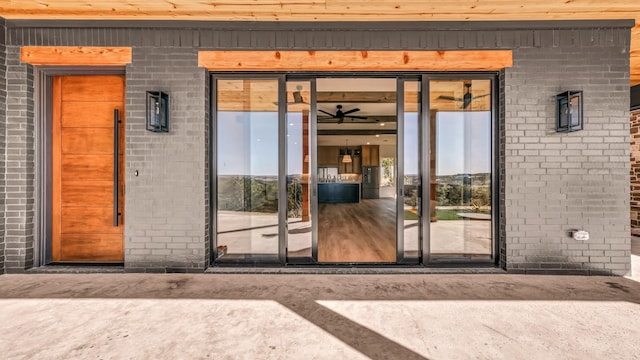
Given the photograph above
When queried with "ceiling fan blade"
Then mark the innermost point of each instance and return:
(350, 111)
(465, 104)
(480, 96)
(356, 117)
(445, 97)
(327, 113)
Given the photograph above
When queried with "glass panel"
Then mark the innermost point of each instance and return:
(247, 165)
(356, 124)
(411, 169)
(299, 237)
(460, 128)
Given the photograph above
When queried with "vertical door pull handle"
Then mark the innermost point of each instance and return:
(116, 166)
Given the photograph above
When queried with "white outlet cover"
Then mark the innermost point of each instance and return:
(581, 235)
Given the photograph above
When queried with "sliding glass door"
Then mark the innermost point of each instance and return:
(353, 169)
(246, 169)
(299, 161)
(409, 135)
(357, 140)
(461, 169)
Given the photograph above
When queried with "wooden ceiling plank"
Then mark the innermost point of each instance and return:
(75, 55)
(356, 97)
(332, 10)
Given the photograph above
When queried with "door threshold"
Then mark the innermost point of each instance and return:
(350, 270)
(78, 268)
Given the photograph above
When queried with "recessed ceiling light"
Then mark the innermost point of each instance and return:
(377, 135)
(381, 124)
(290, 124)
(368, 143)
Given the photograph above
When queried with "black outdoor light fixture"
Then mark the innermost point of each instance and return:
(569, 111)
(157, 111)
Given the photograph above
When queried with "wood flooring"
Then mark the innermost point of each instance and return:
(357, 233)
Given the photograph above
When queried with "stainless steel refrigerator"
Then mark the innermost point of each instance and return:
(370, 182)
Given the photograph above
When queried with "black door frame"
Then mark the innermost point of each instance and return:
(424, 77)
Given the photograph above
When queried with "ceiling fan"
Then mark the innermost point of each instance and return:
(466, 99)
(341, 115)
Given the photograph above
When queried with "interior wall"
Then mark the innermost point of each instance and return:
(387, 151)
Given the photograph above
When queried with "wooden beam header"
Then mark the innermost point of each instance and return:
(454, 60)
(75, 55)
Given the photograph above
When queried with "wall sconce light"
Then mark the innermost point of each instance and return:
(569, 111)
(157, 111)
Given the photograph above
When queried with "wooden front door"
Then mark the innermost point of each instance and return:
(86, 218)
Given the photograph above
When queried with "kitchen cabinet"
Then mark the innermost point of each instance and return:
(354, 167)
(328, 156)
(357, 164)
(370, 155)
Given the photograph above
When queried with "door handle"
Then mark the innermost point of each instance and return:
(116, 166)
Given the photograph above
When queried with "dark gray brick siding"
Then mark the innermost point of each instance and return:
(19, 163)
(557, 182)
(3, 130)
(549, 182)
(165, 205)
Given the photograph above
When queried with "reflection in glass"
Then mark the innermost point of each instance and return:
(299, 237)
(411, 169)
(460, 121)
(247, 169)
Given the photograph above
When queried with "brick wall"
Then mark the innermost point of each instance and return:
(549, 182)
(3, 120)
(556, 182)
(20, 164)
(635, 172)
(502, 225)
(165, 219)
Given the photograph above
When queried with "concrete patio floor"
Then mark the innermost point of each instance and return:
(248, 316)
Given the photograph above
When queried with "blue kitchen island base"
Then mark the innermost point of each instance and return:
(338, 193)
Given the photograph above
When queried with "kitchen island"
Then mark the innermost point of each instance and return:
(339, 192)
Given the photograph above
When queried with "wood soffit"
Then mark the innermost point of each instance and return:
(333, 10)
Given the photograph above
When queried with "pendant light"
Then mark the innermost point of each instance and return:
(347, 158)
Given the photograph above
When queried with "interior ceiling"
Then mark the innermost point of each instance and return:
(334, 10)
